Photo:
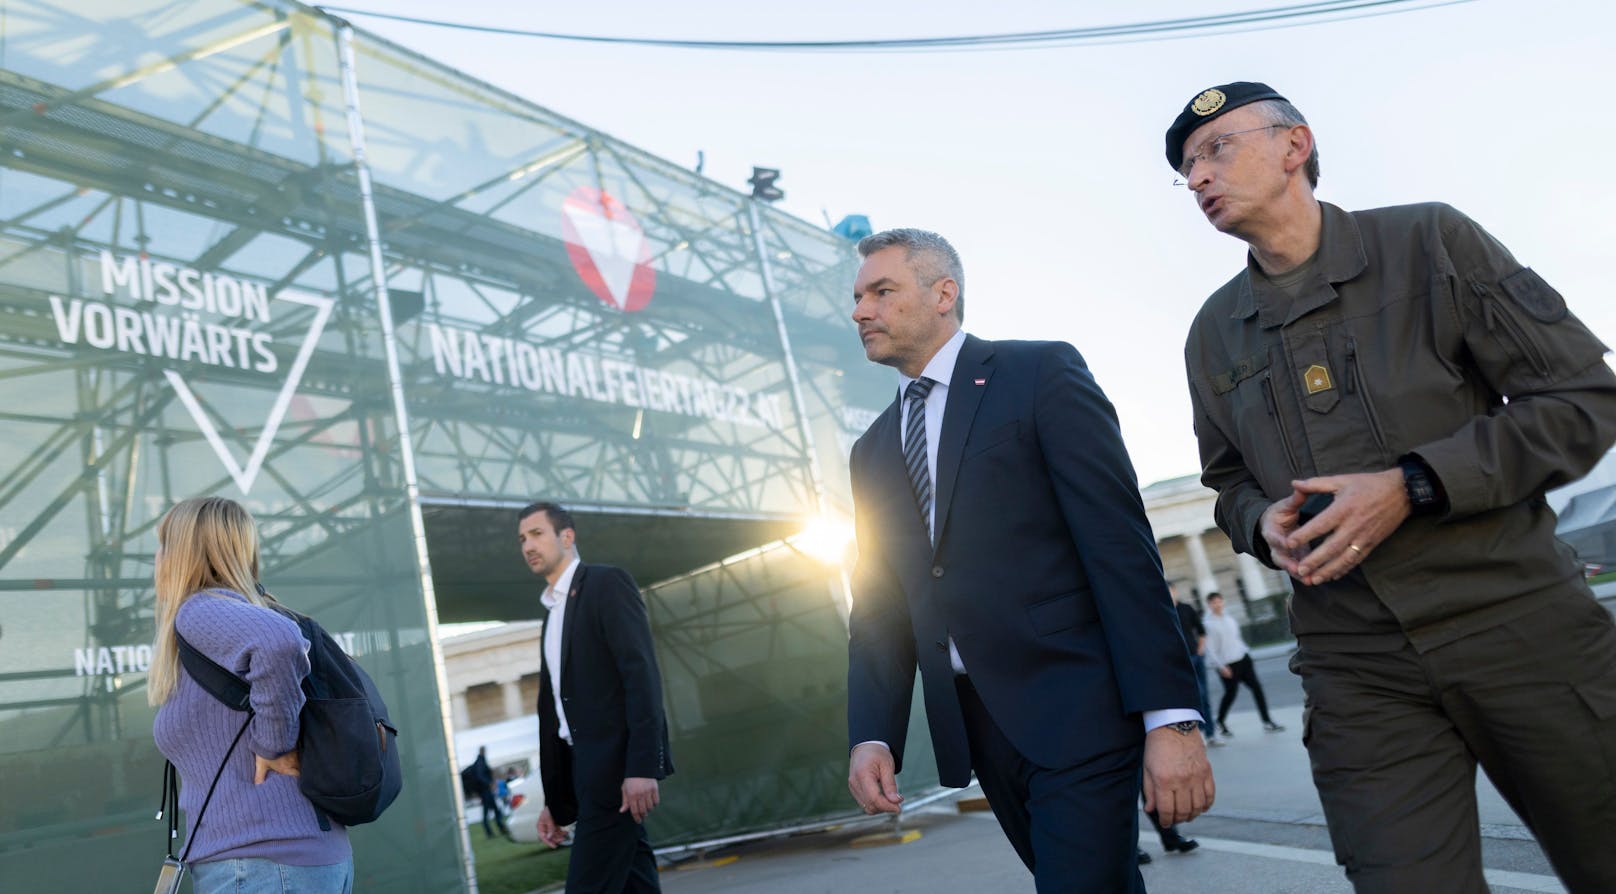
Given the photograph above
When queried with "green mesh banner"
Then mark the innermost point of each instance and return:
(188, 306)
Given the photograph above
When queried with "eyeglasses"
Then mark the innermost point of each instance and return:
(1215, 149)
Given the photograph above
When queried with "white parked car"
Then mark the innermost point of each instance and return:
(527, 802)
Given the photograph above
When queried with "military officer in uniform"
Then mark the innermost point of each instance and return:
(1381, 400)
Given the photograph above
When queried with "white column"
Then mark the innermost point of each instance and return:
(1252, 576)
(512, 690)
(1205, 580)
(461, 718)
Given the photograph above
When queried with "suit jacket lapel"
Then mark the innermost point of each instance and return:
(964, 396)
(891, 477)
(567, 625)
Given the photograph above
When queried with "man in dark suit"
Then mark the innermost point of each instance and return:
(1003, 548)
(603, 740)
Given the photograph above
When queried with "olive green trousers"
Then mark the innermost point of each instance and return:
(1394, 739)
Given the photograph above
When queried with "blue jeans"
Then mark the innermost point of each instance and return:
(255, 876)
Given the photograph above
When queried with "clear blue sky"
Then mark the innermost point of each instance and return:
(1045, 167)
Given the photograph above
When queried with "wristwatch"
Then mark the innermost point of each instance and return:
(1424, 494)
(1185, 727)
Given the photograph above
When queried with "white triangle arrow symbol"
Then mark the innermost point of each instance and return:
(613, 245)
(245, 475)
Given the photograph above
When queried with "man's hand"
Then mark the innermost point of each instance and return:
(1225, 673)
(1368, 507)
(872, 780)
(1178, 780)
(549, 832)
(1277, 524)
(640, 794)
(286, 765)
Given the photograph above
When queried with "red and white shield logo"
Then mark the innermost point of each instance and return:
(608, 248)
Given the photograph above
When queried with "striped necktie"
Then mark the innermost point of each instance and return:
(914, 446)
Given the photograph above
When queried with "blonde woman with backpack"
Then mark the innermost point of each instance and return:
(251, 830)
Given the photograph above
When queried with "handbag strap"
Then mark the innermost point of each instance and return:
(168, 804)
(171, 796)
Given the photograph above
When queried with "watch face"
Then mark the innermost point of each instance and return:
(1418, 485)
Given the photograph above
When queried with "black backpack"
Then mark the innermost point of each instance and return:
(348, 750)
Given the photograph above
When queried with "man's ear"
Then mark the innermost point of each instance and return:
(1300, 147)
(568, 538)
(946, 290)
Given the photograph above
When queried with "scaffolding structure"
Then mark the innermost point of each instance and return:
(694, 422)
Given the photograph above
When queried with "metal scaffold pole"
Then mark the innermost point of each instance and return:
(395, 385)
(792, 377)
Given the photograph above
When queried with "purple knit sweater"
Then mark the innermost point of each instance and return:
(272, 821)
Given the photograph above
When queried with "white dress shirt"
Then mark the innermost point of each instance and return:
(940, 369)
(555, 599)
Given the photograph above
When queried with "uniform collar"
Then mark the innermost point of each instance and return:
(1340, 258)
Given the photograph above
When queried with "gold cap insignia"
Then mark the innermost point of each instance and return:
(1317, 379)
(1208, 102)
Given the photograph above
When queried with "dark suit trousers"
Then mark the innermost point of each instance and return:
(1074, 827)
(610, 851)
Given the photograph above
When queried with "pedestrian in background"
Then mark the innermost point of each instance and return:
(504, 785)
(478, 781)
(1189, 622)
(1226, 650)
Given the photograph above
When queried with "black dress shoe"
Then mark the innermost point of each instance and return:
(1143, 858)
(1180, 844)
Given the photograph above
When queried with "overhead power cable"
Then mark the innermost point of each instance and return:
(1162, 29)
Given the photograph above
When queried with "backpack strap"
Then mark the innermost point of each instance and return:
(232, 691)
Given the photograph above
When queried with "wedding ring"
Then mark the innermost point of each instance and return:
(1354, 547)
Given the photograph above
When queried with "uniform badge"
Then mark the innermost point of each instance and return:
(1317, 379)
(1208, 102)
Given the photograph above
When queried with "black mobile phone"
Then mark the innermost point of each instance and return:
(1312, 506)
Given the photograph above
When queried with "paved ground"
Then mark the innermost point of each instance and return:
(1266, 834)
(965, 852)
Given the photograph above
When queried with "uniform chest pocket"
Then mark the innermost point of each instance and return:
(1246, 395)
(1356, 385)
(1319, 390)
(1224, 382)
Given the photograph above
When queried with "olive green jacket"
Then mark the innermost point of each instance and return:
(1418, 334)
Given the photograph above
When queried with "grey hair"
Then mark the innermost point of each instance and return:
(1280, 111)
(928, 254)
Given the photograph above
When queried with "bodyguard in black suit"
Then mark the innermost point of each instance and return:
(603, 740)
(1003, 549)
